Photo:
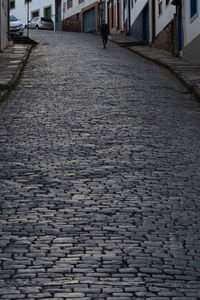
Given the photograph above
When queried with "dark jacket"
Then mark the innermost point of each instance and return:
(104, 29)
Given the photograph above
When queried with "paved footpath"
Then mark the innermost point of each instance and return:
(12, 60)
(100, 172)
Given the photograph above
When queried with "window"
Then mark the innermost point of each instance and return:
(69, 4)
(35, 13)
(81, 1)
(12, 4)
(193, 9)
(160, 7)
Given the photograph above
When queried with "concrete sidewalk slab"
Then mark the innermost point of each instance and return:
(124, 40)
(12, 60)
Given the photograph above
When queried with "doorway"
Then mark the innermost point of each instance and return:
(89, 20)
(47, 12)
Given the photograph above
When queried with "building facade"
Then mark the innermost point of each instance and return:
(172, 25)
(191, 30)
(42, 8)
(4, 24)
(116, 15)
(82, 15)
(149, 19)
(140, 19)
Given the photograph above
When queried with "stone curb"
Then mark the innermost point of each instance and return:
(20, 67)
(6, 88)
(129, 43)
(188, 74)
(175, 64)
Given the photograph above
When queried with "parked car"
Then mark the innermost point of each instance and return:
(16, 26)
(33, 22)
(41, 23)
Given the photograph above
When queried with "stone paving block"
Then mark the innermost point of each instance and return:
(13, 296)
(70, 295)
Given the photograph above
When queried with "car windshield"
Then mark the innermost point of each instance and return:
(13, 18)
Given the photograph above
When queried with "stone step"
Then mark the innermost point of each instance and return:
(132, 43)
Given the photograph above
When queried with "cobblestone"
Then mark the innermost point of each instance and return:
(99, 177)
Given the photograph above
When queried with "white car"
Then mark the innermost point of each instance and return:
(16, 26)
(41, 23)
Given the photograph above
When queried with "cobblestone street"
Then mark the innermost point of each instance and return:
(100, 177)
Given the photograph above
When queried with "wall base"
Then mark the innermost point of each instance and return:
(191, 51)
(72, 23)
(165, 39)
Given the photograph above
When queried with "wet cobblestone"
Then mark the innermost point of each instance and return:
(99, 177)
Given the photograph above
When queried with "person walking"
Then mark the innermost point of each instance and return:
(104, 33)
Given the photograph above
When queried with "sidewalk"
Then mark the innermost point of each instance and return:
(12, 60)
(186, 72)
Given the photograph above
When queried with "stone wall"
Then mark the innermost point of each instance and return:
(165, 39)
(72, 23)
(75, 23)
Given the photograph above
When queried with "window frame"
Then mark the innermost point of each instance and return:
(35, 11)
(195, 14)
(26, 2)
(167, 3)
(12, 1)
(45, 9)
(160, 7)
(69, 4)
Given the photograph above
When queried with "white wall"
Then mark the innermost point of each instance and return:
(191, 28)
(20, 10)
(166, 17)
(138, 6)
(3, 24)
(76, 8)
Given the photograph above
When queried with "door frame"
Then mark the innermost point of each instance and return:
(153, 20)
(145, 23)
(44, 9)
(58, 22)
